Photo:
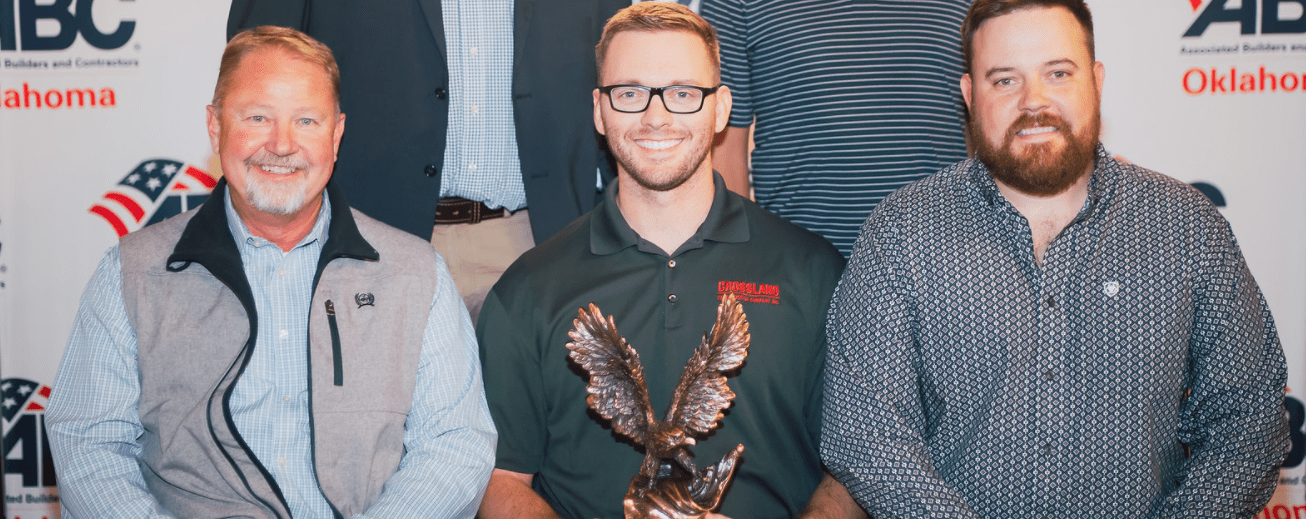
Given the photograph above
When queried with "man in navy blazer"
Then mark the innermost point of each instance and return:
(396, 80)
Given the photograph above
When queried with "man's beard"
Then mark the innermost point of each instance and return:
(681, 168)
(1040, 170)
(276, 197)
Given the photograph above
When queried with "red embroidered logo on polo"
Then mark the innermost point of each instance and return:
(749, 292)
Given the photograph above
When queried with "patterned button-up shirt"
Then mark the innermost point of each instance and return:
(1135, 373)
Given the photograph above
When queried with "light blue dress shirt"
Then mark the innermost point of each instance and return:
(94, 424)
(481, 161)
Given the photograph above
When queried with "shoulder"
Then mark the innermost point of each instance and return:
(561, 255)
(927, 199)
(768, 230)
(1163, 201)
(150, 246)
(397, 248)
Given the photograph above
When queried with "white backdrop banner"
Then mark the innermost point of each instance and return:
(102, 132)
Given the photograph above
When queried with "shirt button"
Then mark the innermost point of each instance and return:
(441, 94)
(476, 109)
(1052, 302)
(1047, 449)
(286, 399)
(281, 272)
(283, 334)
(671, 263)
(282, 461)
(1051, 375)
(471, 167)
(432, 170)
(472, 51)
(671, 298)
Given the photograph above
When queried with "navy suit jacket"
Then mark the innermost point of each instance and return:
(394, 91)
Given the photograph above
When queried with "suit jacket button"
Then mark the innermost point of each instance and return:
(441, 93)
(432, 170)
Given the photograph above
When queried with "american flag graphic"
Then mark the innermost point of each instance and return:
(156, 190)
(23, 395)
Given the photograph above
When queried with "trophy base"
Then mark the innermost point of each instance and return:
(681, 495)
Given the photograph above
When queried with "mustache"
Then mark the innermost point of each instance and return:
(1037, 120)
(266, 158)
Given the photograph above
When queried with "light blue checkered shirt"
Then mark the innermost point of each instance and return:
(480, 155)
(270, 402)
(94, 424)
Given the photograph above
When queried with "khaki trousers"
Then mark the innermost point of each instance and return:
(478, 253)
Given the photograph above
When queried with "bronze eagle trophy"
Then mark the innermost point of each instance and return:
(669, 485)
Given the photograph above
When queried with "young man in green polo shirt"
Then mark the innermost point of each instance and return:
(667, 241)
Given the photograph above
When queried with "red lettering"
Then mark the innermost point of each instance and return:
(1217, 82)
(11, 99)
(82, 95)
(1284, 82)
(1247, 83)
(1201, 74)
(1274, 80)
(56, 102)
(107, 97)
(28, 95)
(1299, 511)
(720, 286)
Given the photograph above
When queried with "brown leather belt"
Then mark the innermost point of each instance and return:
(453, 209)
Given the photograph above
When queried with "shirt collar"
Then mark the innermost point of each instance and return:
(726, 222)
(1101, 184)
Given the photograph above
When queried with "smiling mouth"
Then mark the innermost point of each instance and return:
(657, 145)
(277, 170)
(1037, 130)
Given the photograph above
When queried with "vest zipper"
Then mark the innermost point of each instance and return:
(335, 343)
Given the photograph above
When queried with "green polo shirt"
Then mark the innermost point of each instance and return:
(784, 276)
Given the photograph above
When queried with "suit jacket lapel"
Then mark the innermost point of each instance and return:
(435, 19)
(523, 13)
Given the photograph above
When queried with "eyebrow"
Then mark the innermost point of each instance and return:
(1062, 61)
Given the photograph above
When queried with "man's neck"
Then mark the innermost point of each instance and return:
(284, 231)
(666, 218)
(1048, 215)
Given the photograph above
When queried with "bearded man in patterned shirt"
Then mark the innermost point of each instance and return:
(1045, 331)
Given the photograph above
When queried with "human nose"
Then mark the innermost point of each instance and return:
(282, 140)
(656, 115)
(1035, 97)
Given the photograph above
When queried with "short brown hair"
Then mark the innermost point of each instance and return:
(984, 10)
(301, 45)
(659, 16)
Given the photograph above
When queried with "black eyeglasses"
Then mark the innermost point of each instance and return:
(679, 99)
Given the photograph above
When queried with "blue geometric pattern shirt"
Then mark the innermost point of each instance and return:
(480, 158)
(1135, 373)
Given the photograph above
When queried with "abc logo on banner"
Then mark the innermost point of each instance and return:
(26, 447)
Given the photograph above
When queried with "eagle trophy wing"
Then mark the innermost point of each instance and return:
(617, 390)
(702, 393)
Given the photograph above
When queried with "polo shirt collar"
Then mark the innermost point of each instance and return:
(726, 222)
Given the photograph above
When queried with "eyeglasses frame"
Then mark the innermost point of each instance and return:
(657, 91)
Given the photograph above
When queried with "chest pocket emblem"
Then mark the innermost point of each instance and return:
(1110, 288)
(364, 299)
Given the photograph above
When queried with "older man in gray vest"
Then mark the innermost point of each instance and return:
(272, 353)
